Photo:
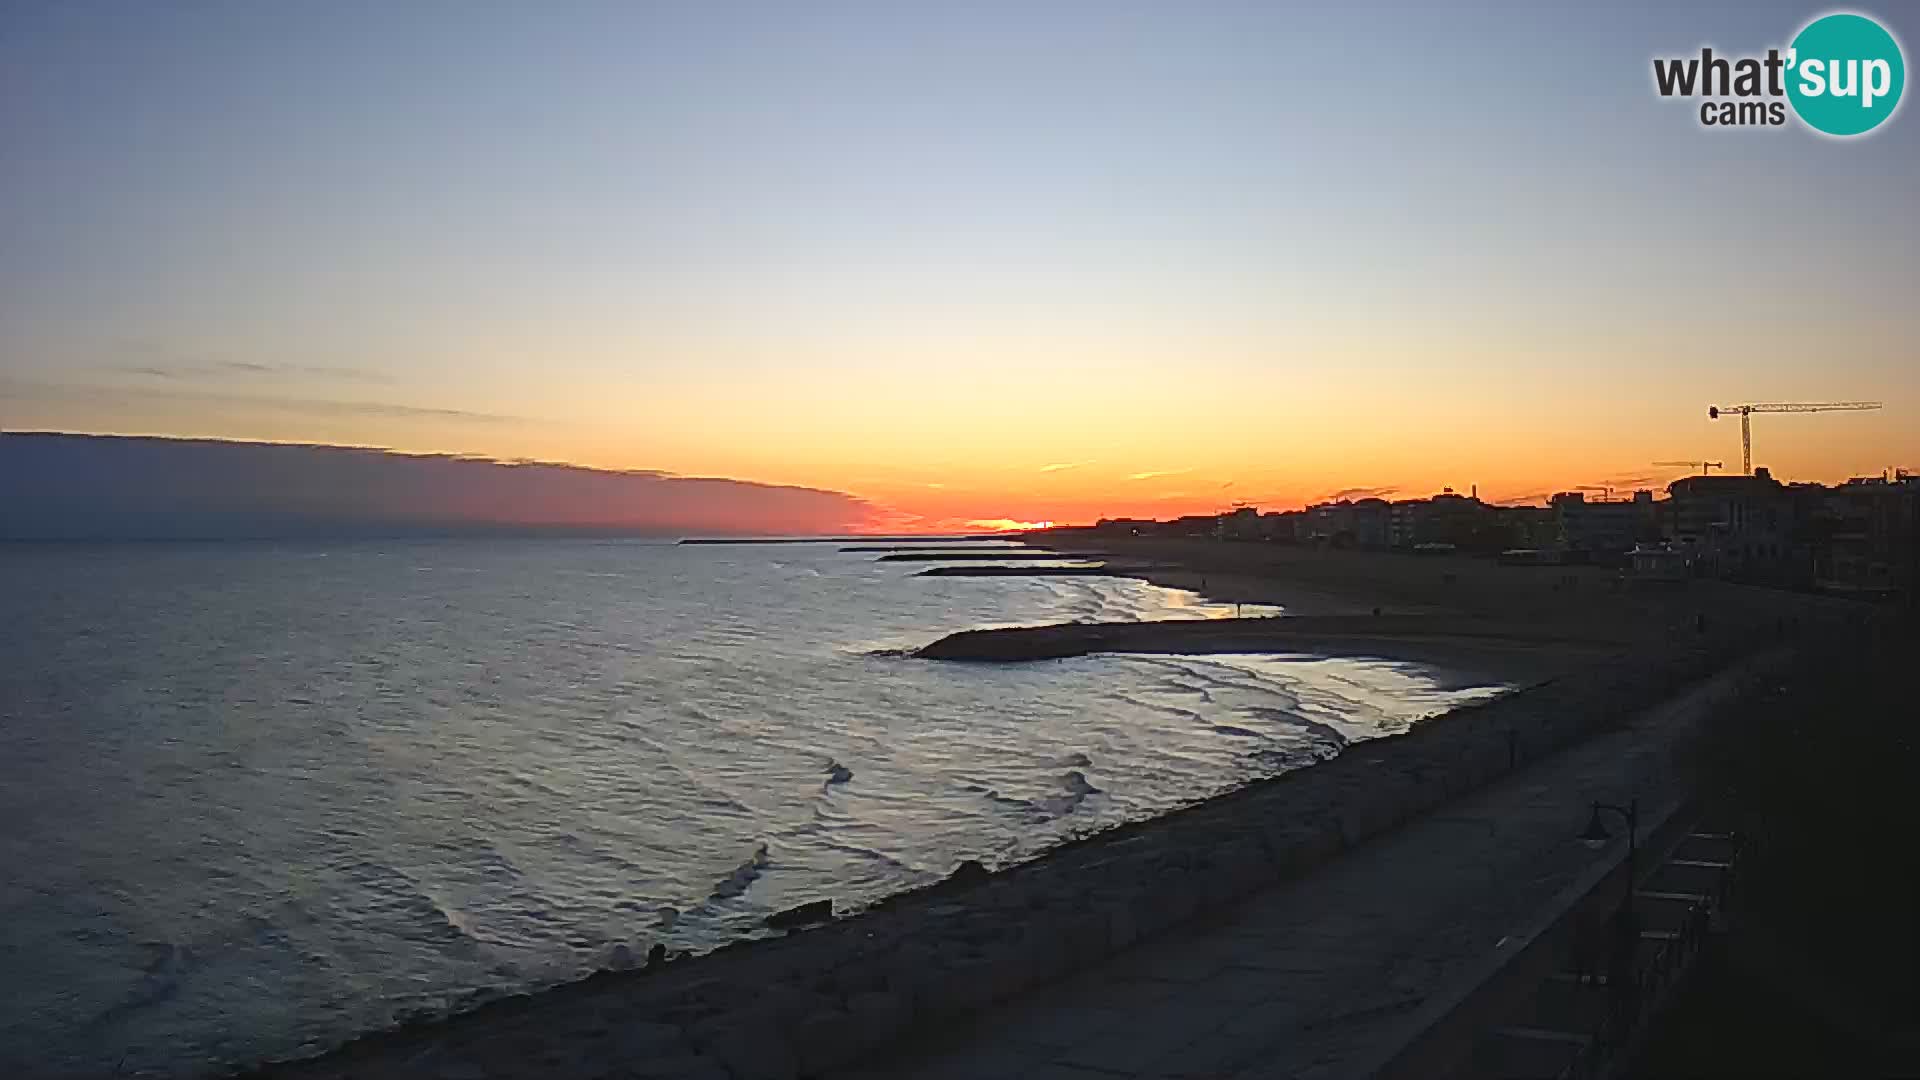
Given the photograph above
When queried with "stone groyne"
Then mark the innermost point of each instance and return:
(986, 555)
(817, 1001)
(1301, 634)
(1024, 571)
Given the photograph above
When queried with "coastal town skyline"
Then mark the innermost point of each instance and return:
(967, 269)
(166, 487)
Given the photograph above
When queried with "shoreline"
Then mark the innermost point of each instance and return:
(1221, 586)
(1574, 601)
(817, 999)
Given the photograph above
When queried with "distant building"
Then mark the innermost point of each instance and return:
(1453, 519)
(1865, 534)
(1403, 522)
(1605, 530)
(1331, 524)
(1372, 523)
(1192, 525)
(1533, 527)
(1659, 563)
(1448, 518)
(1242, 524)
(1283, 527)
(1861, 537)
(1740, 527)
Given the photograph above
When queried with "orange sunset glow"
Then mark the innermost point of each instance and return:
(956, 301)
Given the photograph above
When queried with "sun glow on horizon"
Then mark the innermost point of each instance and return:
(826, 255)
(1008, 524)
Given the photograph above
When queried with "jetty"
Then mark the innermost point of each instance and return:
(999, 571)
(986, 555)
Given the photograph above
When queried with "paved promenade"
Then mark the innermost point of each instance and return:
(1308, 978)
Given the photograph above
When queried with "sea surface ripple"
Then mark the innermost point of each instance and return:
(262, 797)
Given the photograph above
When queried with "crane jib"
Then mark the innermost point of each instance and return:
(1746, 412)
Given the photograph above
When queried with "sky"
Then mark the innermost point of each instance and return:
(993, 262)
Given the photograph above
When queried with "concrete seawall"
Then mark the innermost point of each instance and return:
(817, 1001)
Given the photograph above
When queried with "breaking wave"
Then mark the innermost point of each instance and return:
(521, 770)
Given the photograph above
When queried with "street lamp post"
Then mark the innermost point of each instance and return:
(1623, 978)
(1597, 836)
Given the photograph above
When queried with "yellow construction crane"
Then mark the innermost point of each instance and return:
(1746, 419)
(1706, 467)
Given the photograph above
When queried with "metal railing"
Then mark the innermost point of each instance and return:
(1653, 981)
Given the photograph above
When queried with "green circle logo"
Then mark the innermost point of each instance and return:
(1845, 74)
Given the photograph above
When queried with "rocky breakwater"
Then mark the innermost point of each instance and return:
(1025, 571)
(816, 1001)
(985, 555)
(1468, 650)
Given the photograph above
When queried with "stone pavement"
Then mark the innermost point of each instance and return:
(1309, 978)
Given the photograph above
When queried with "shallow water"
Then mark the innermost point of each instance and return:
(261, 797)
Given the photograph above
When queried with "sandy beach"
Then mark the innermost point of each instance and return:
(1469, 620)
(1585, 603)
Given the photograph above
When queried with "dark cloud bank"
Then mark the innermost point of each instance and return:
(62, 486)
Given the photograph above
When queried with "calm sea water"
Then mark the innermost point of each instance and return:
(256, 798)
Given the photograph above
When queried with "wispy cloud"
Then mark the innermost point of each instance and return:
(26, 389)
(374, 408)
(317, 371)
(1361, 493)
(1619, 484)
(1534, 499)
(1063, 466)
(1156, 473)
(249, 369)
(161, 360)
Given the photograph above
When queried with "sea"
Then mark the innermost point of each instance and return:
(259, 797)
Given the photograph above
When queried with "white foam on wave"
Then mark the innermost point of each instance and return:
(551, 749)
(1335, 701)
